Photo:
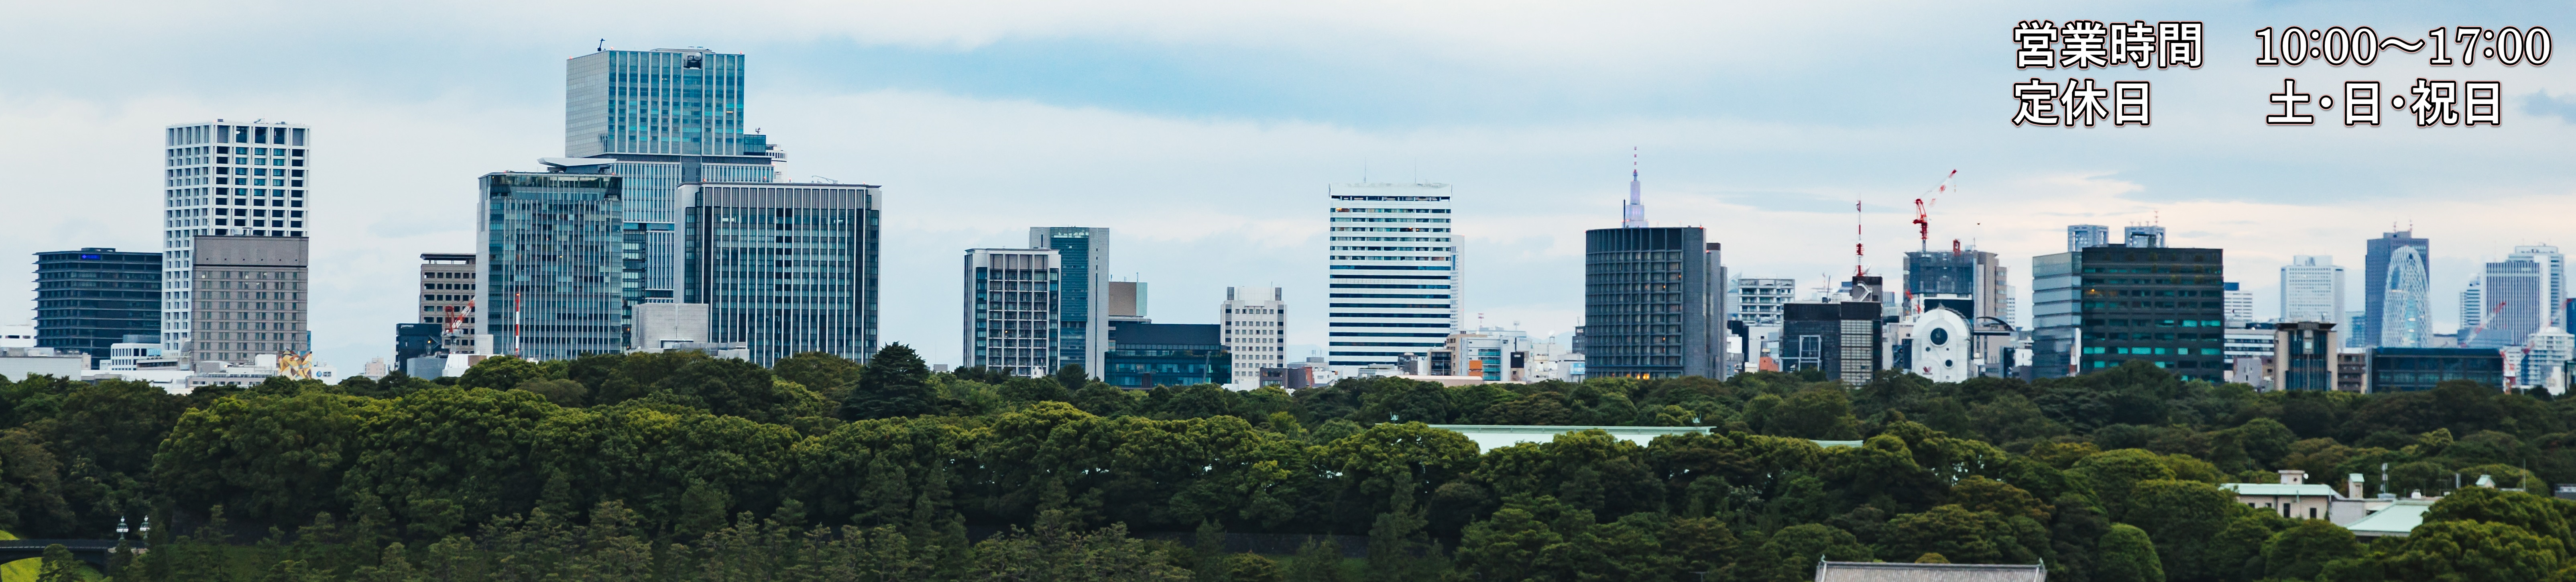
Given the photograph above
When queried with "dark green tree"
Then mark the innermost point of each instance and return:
(895, 384)
(500, 373)
(2302, 552)
(2127, 555)
(825, 373)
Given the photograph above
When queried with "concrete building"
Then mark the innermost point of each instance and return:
(1083, 294)
(2516, 303)
(1128, 301)
(660, 119)
(1011, 311)
(1757, 301)
(2312, 289)
(2240, 304)
(786, 268)
(1977, 277)
(1390, 239)
(2396, 291)
(1840, 338)
(251, 298)
(556, 282)
(2544, 360)
(16, 364)
(1653, 303)
(1144, 355)
(2143, 236)
(449, 288)
(2085, 236)
(1255, 332)
(90, 299)
(223, 178)
(2106, 305)
(662, 325)
(2303, 356)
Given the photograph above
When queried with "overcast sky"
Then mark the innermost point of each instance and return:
(1204, 134)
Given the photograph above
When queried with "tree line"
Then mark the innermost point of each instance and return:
(676, 466)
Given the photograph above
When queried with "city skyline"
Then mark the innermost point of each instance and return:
(970, 160)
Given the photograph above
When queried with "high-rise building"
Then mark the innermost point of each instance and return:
(2105, 305)
(1012, 311)
(2553, 274)
(1083, 293)
(1840, 336)
(1651, 303)
(1758, 301)
(91, 299)
(2516, 298)
(2303, 356)
(2143, 236)
(2085, 236)
(250, 297)
(663, 117)
(2240, 304)
(1255, 322)
(2473, 304)
(2312, 290)
(557, 278)
(223, 178)
(449, 290)
(1389, 240)
(2397, 291)
(785, 268)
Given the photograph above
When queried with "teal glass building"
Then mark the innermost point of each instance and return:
(558, 267)
(788, 268)
(91, 298)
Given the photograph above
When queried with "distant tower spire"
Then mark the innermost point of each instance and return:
(1633, 214)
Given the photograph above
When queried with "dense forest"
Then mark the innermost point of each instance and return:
(676, 466)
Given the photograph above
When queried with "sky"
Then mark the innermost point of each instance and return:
(1204, 134)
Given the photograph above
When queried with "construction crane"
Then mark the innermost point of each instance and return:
(2482, 324)
(454, 329)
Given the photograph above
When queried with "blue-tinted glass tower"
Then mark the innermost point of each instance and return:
(668, 117)
(93, 297)
(557, 262)
(787, 268)
(1084, 291)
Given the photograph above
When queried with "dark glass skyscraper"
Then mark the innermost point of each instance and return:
(787, 267)
(93, 297)
(1084, 291)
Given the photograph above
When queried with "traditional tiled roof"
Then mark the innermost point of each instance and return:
(1896, 572)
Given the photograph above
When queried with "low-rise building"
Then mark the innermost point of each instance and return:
(2415, 369)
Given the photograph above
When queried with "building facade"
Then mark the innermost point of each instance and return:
(1840, 339)
(91, 299)
(2312, 289)
(2553, 278)
(1011, 310)
(2106, 305)
(2240, 303)
(2397, 291)
(1083, 294)
(1255, 321)
(662, 118)
(1144, 355)
(251, 302)
(1977, 276)
(558, 276)
(1395, 282)
(224, 178)
(449, 288)
(1653, 303)
(785, 268)
(2304, 356)
(2085, 236)
(2419, 369)
(2516, 302)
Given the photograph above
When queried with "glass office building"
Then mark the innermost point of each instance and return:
(2100, 306)
(1082, 323)
(667, 117)
(1652, 303)
(786, 268)
(89, 299)
(1145, 355)
(559, 273)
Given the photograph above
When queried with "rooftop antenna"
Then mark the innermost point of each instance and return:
(1633, 214)
(603, 45)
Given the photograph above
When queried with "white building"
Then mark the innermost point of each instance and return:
(2312, 290)
(1253, 325)
(2544, 360)
(21, 335)
(2553, 275)
(232, 179)
(1394, 275)
(2473, 304)
(2240, 304)
(1011, 311)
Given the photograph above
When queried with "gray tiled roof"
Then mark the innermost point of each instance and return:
(1897, 572)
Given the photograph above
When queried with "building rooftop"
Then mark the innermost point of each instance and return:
(1900, 572)
(2398, 519)
(2309, 489)
(1493, 436)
